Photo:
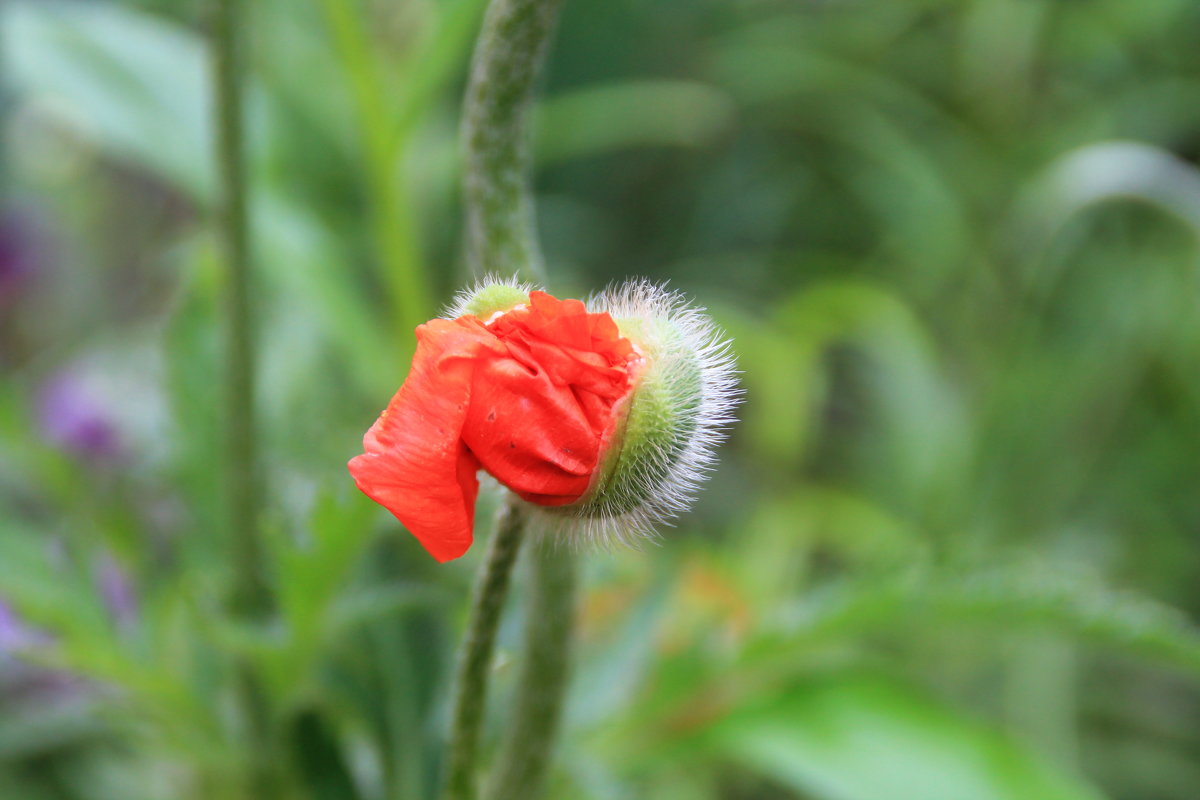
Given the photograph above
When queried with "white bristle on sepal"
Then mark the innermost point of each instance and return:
(462, 300)
(669, 487)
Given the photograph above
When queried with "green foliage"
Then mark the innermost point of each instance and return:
(950, 550)
(850, 739)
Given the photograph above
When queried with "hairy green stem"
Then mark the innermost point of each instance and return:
(499, 203)
(524, 758)
(501, 238)
(475, 659)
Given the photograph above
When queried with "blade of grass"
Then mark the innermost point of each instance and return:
(381, 143)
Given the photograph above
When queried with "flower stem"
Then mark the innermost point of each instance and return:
(475, 659)
(250, 595)
(502, 239)
(498, 194)
(524, 758)
(241, 467)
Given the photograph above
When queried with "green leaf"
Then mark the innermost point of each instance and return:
(41, 730)
(647, 113)
(867, 739)
(319, 759)
(133, 84)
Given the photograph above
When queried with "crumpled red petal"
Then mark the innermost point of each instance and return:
(537, 418)
(416, 464)
(529, 397)
(533, 436)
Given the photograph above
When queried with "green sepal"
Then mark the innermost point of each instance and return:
(491, 299)
(658, 421)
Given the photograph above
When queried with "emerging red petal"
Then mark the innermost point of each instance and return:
(538, 418)
(530, 397)
(415, 463)
(532, 435)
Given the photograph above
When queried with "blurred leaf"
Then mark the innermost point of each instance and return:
(600, 119)
(191, 349)
(866, 739)
(310, 576)
(312, 573)
(1057, 597)
(689, 689)
(319, 760)
(791, 539)
(1013, 596)
(134, 84)
(45, 728)
(1100, 173)
(58, 596)
(139, 89)
(315, 277)
(53, 593)
(784, 386)
(919, 406)
(437, 57)
(608, 678)
(363, 606)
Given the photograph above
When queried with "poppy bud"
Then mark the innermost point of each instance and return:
(604, 419)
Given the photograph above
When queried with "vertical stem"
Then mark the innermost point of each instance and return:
(497, 187)
(241, 468)
(501, 238)
(475, 659)
(524, 758)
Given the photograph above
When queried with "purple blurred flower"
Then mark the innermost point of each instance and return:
(14, 633)
(72, 418)
(10, 629)
(26, 683)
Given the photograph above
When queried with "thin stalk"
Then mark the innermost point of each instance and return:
(524, 758)
(381, 141)
(241, 454)
(497, 187)
(251, 598)
(501, 238)
(475, 659)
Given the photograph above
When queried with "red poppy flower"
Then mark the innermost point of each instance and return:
(532, 395)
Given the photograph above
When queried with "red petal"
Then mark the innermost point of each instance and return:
(537, 418)
(530, 398)
(415, 463)
(531, 435)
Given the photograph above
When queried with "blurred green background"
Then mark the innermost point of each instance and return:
(952, 551)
